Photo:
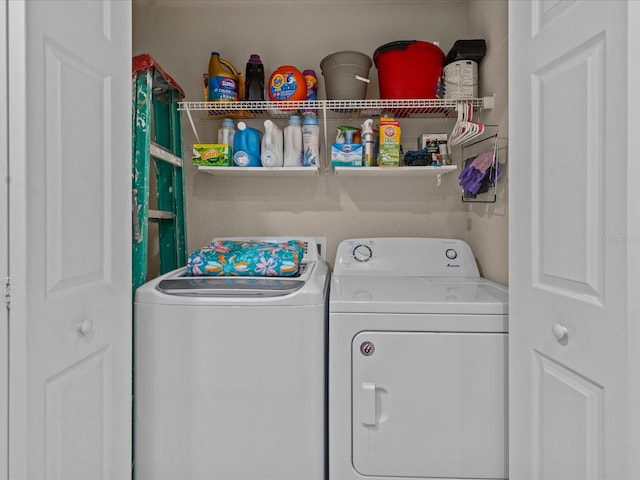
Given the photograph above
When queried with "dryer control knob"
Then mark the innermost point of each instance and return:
(451, 254)
(362, 253)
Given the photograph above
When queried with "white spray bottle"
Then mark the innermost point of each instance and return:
(367, 141)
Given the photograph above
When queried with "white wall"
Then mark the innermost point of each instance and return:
(181, 34)
(488, 223)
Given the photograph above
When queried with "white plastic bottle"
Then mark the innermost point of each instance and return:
(310, 141)
(293, 143)
(226, 132)
(272, 154)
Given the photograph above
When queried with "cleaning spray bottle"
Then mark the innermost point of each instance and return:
(367, 141)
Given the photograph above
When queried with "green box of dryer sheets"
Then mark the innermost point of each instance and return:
(212, 155)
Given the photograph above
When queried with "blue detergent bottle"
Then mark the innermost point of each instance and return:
(246, 146)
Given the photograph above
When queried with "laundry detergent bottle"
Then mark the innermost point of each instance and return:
(226, 132)
(222, 80)
(246, 146)
(287, 84)
(272, 154)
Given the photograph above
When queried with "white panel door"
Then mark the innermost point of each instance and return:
(4, 251)
(70, 317)
(429, 404)
(570, 244)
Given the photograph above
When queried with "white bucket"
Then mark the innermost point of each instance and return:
(460, 80)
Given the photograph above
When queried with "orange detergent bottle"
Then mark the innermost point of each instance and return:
(287, 84)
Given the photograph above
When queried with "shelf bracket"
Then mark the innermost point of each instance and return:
(193, 127)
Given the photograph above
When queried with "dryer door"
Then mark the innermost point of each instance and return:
(430, 404)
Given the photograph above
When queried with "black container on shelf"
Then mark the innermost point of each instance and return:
(254, 79)
(474, 50)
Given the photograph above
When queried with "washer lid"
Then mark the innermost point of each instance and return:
(366, 294)
(231, 286)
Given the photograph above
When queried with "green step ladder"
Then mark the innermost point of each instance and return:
(157, 140)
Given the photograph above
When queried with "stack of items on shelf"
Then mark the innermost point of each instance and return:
(361, 147)
(297, 145)
(223, 82)
(432, 151)
(407, 69)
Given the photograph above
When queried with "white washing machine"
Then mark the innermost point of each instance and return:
(417, 363)
(230, 375)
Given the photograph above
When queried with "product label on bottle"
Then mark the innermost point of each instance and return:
(284, 86)
(222, 88)
(310, 140)
(312, 86)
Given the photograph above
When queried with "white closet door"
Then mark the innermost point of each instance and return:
(70, 241)
(573, 282)
(4, 251)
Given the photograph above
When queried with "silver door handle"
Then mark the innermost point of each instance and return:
(369, 404)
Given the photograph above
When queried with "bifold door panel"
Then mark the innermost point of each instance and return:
(430, 404)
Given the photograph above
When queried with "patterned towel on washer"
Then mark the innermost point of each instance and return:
(247, 258)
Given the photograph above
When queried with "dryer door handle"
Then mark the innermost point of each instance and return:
(369, 404)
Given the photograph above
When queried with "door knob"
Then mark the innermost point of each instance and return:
(85, 327)
(559, 331)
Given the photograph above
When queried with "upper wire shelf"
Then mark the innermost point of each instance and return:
(403, 108)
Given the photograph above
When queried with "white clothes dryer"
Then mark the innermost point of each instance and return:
(417, 363)
(230, 375)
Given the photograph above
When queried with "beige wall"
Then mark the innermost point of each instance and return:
(181, 34)
(488, 223)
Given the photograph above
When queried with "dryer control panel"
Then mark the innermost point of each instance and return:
(405, 256)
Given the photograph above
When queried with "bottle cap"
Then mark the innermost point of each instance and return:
(254, 58)
(241, 158)
(294, 120)
(310, 119)
(309, 72)
(242, 126)
(227, 122)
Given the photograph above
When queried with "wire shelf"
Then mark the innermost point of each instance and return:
(401, 108)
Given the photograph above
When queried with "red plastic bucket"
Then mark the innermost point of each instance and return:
(409, 69)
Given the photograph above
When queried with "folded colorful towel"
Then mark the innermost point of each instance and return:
(251, 258)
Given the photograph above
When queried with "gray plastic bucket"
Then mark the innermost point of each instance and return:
(346, 75)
